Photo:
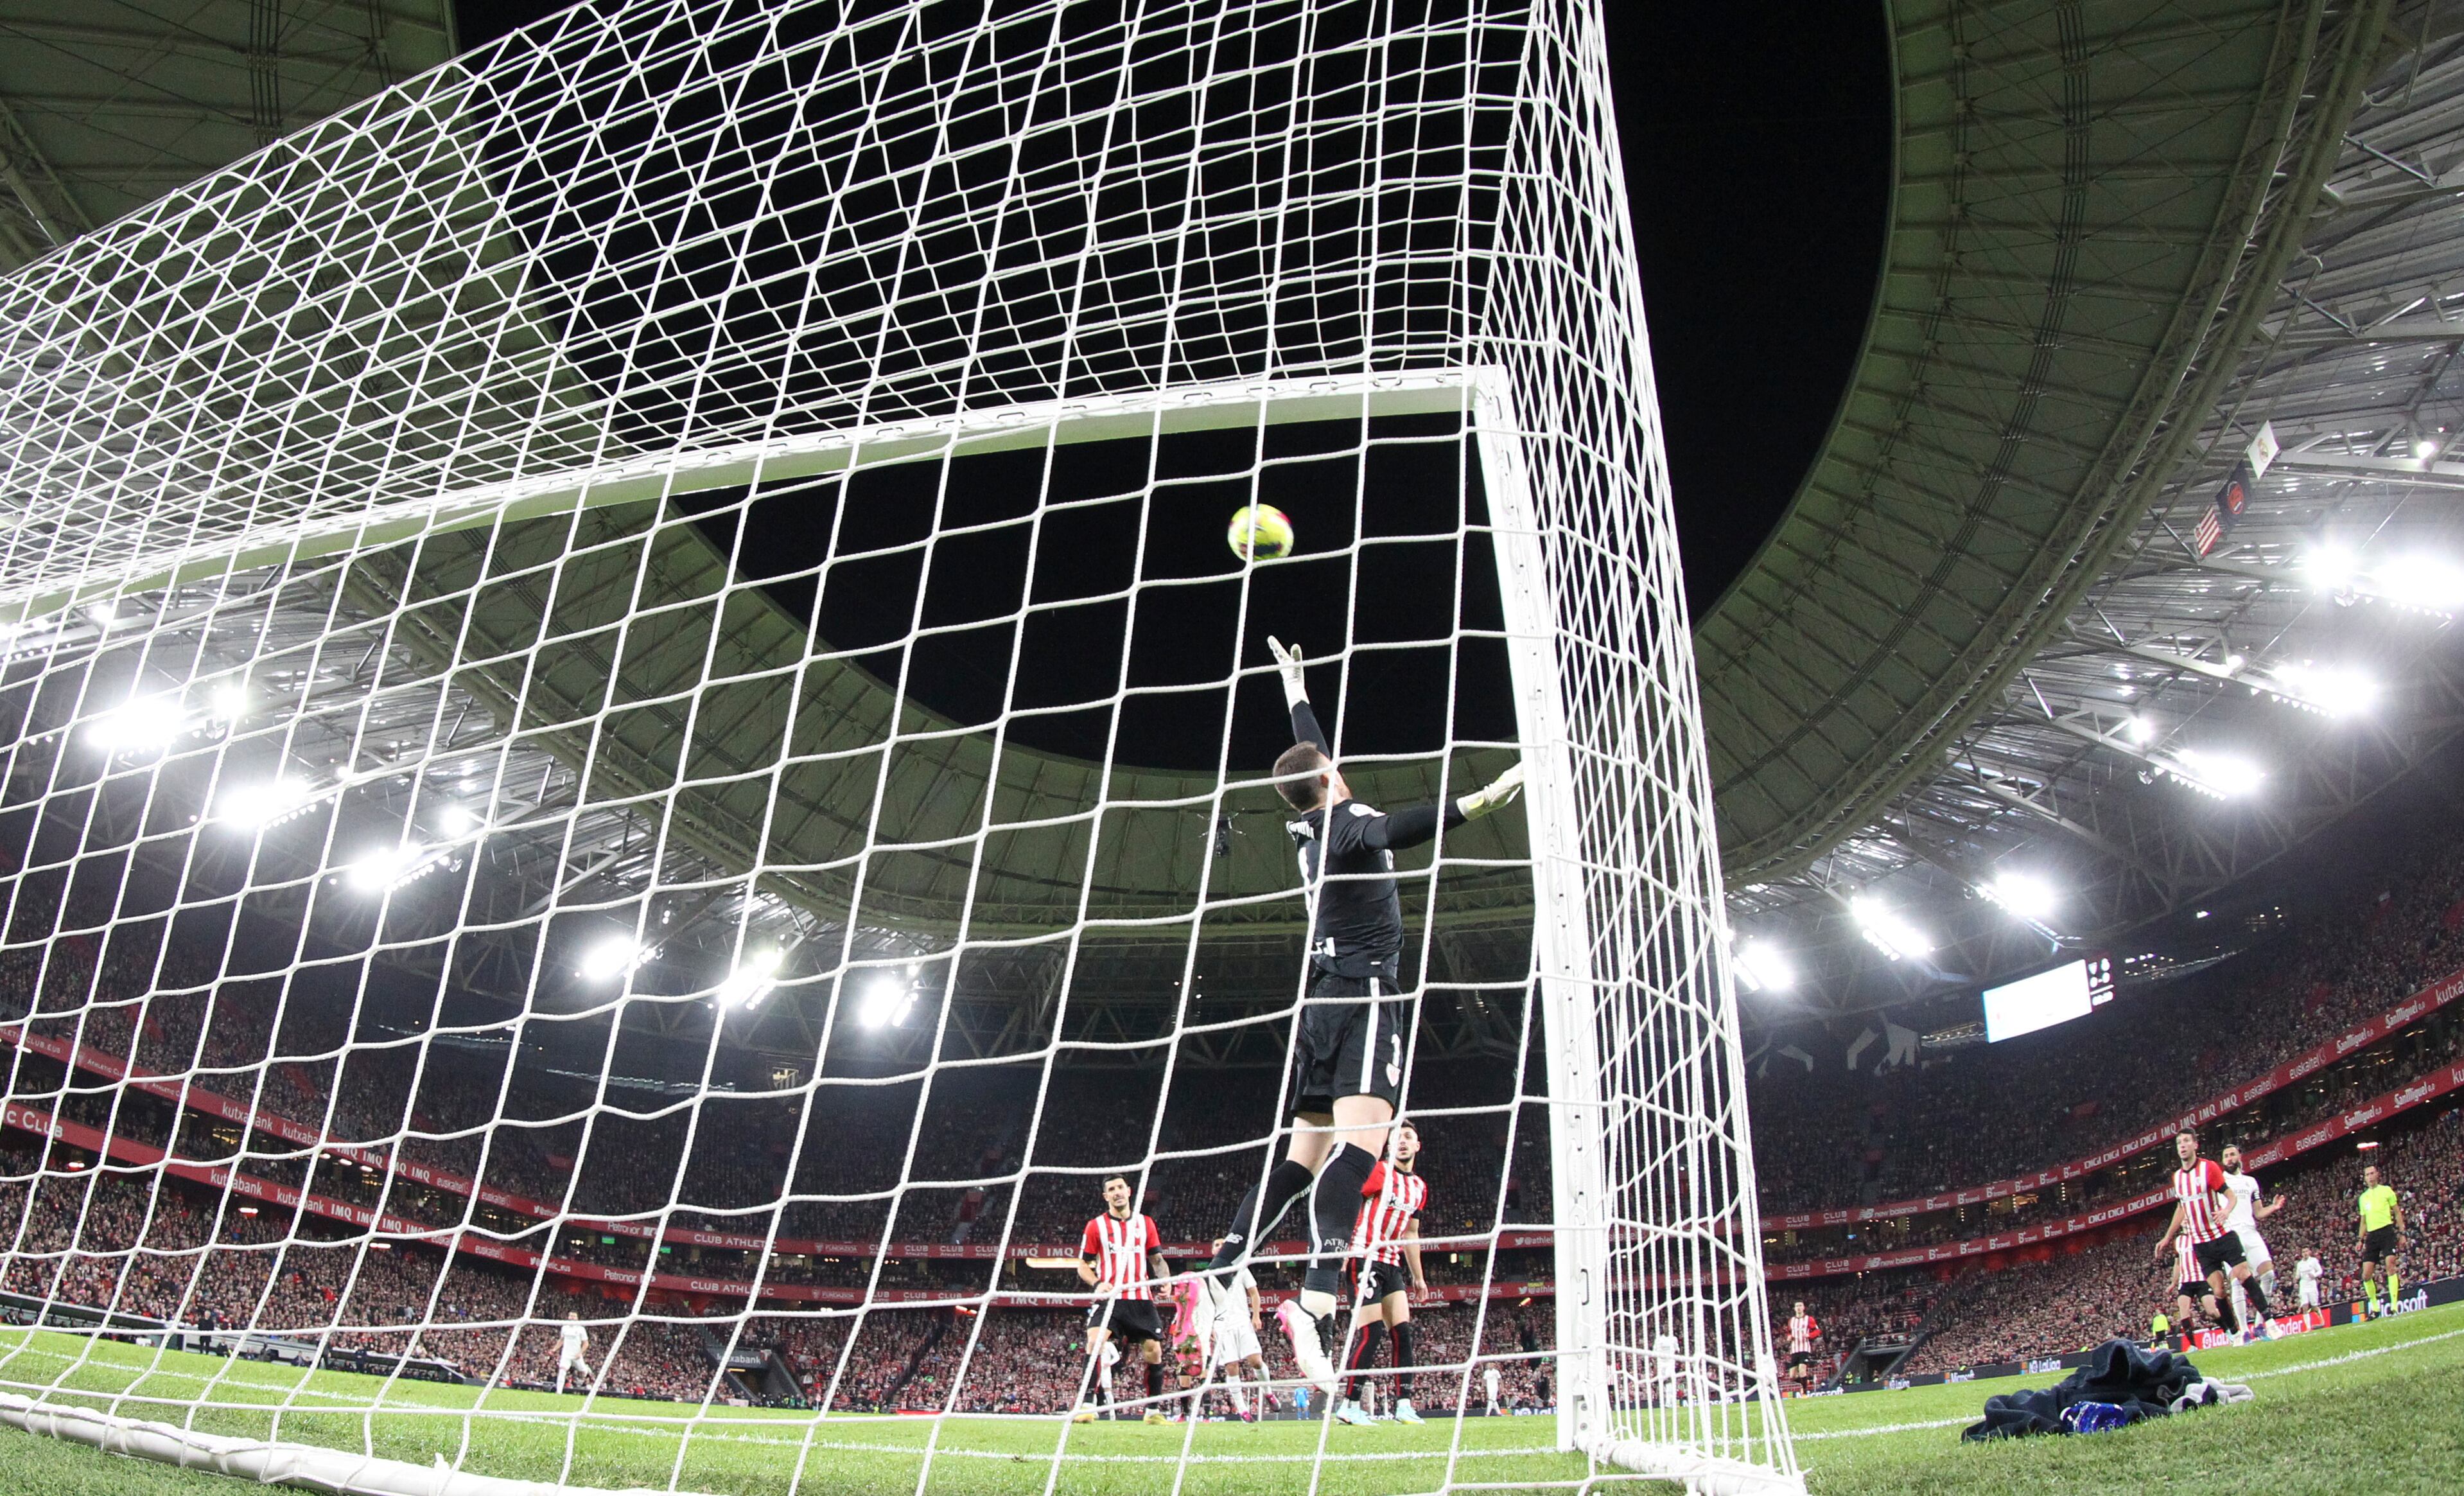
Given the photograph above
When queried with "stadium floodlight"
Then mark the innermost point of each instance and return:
(253, 808)
(616, 956)
(2223, 776)
(2424, 582)
(753, 980)
(2332, 568)
(385, 868)
(2025, 895)
(457, 820)
(227, 702)
(2330, 691)
(1888, 931)
(2141, 730)
(2425, 449)
(887, 1003)
(141, 725)
(1764, 967)
(2418, 581)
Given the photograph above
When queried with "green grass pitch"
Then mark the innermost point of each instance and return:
(2370, 1409)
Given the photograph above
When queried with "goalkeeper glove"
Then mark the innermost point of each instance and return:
(1288, 664)
(1501, 789)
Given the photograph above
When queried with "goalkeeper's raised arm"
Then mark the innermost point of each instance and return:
(1355, 1026)
(1308, 779)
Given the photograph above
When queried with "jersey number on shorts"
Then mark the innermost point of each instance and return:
(1394, 1058)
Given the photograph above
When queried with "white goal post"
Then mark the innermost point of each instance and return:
(423, 796)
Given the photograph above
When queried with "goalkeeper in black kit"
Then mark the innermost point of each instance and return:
(1355, 1026)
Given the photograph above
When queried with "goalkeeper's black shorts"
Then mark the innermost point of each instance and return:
(1353, 1036)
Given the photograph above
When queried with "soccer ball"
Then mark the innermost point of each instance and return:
(1260, 532)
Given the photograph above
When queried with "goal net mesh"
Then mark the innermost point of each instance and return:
(627, 707)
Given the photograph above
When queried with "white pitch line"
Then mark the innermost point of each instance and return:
(2363, 1354)
(1884, 1428)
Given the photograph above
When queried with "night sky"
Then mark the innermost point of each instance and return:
(1757, 162)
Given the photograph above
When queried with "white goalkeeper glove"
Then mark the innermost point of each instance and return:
(1288, 664)
(1501, 789)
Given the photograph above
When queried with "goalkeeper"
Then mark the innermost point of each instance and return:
(1348, 1055)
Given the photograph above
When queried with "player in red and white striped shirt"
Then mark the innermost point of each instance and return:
(1385, 1236)
(2202, 1202)
(1120, 1256)
(1803, 1332)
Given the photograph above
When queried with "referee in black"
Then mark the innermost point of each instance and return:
(1355, 1026)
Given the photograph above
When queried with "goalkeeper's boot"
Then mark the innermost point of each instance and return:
(1309, 1351)
(1352, 1413)
(1086, 1414)
(1157, 1416)
(1405, 1413)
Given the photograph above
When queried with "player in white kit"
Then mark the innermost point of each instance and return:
(2242, 1220)
(1232, 1343)
(1488, 1379)
(2306, 1274)
(574, 1342)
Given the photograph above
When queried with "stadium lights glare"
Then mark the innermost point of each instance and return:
(2330, 691)
(2428, 583)
(253, 808)
(751, 981)
(1762, 966)
(385, 868)
(457, 820)
(228, 701)
(1889, 934)
(2425, 449)
(2332, 568)
(887, 1003)
(143, 724)
(2220, 775)
(617, 956)
(2031, 898)
(2140, 730)
(2423, 584)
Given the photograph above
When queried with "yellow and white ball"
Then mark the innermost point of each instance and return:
(1260, 532)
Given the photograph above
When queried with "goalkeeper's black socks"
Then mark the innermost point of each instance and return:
(1403, 1360)
(1335, 1206)
(1286, 1183)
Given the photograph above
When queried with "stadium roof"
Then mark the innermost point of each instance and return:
(107, 104)
(1980, 640)
(1986, 640)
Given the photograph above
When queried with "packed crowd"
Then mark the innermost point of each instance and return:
(173, 1252)
(1837, 1136)
(2069, 1300)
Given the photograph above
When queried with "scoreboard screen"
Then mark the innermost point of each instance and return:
(2066, 992)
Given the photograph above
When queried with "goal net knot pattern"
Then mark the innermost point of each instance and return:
(636, 763)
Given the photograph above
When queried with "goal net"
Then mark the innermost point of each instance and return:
(636, 762)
